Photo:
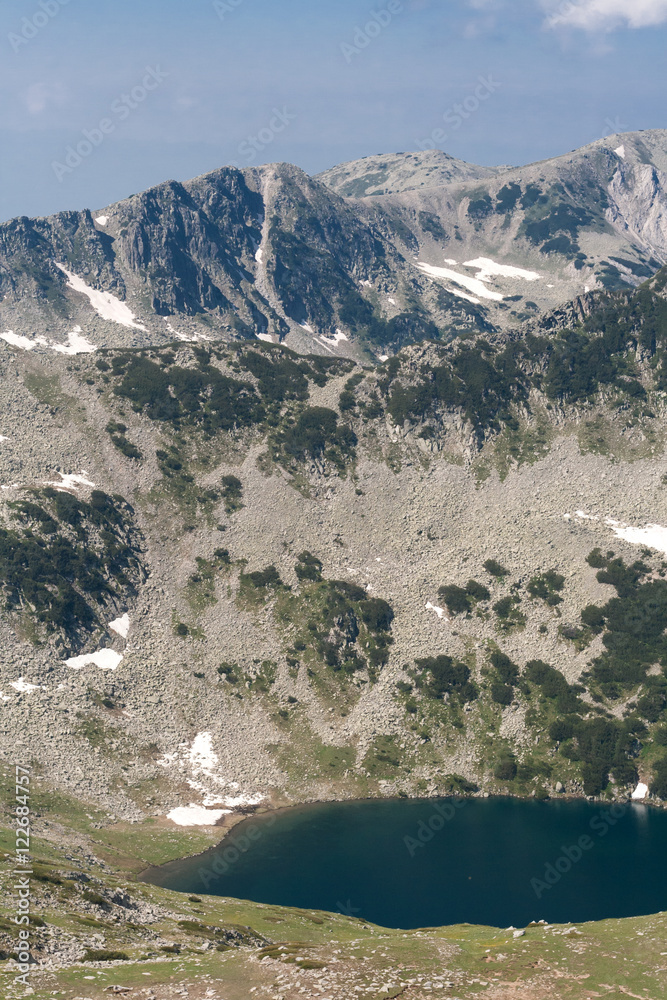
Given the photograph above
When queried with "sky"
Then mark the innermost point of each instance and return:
(100, 99)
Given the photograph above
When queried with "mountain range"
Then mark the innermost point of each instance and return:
(358, 261)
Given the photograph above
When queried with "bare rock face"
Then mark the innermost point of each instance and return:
(356, 262)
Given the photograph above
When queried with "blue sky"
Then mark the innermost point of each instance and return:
(185, 86)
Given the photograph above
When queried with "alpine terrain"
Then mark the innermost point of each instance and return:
(330, 487)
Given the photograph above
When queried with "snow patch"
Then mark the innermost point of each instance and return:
(440, 612)
(121, 626)
(24, 343)
(3, 438)
(4, 697)
(23, 687)
(70, 482)
(194, 815)
(462, 295)
(105, 659)
(640, 792)
(265, 336)
(653, 536)
(105, 304)
(102, 220)
(366, 284)
(449, 260)
(473, 285)
(307, 326)
(185, 337)
(259, 255)
(620, 151)
(384, 357)
(201, 761)
(337, 338)
(393, 301)
(76, 344)
(488, 269)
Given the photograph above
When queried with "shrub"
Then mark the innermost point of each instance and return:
(659, 783)
(94, 897)
(660, 736)
(506, 769)
(317, 432)
(505, 606)
(232, 492)
(507, 671)
(377, 615)
(444, 676)
(126, 447)
(596, 559)
(502, 694)
(652, 705)
(102, 955)
(477, 591)
(546, 587)
(229, 671)
(493, 568)
(181, 629)
(593, 618)
(263, 579)
(561, 730)
(309, 567)
(456, 599)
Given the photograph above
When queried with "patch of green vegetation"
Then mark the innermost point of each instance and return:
(120, 441)
(316, 435)
(69, 559)
(338, 625)
(441, 677)
(632, 626)
(200, 591)
(494, 568)
(509, 615)
(256, 587)
(232, 492)
(547, 587)
(461, 600)
(309, 567)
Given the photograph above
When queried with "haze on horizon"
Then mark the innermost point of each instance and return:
(172, 90)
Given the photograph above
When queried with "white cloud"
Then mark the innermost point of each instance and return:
(605, 15)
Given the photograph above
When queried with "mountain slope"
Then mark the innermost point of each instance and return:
(270, 253)
(321, 580)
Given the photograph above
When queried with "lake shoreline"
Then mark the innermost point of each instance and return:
(232, 822)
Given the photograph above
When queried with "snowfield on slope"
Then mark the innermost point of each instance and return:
(488, 269)
(105, 659)
(76, 343)
(105, 304)
(651, 536)
(201, 761)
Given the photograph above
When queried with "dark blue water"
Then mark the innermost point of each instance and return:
(417, 863)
